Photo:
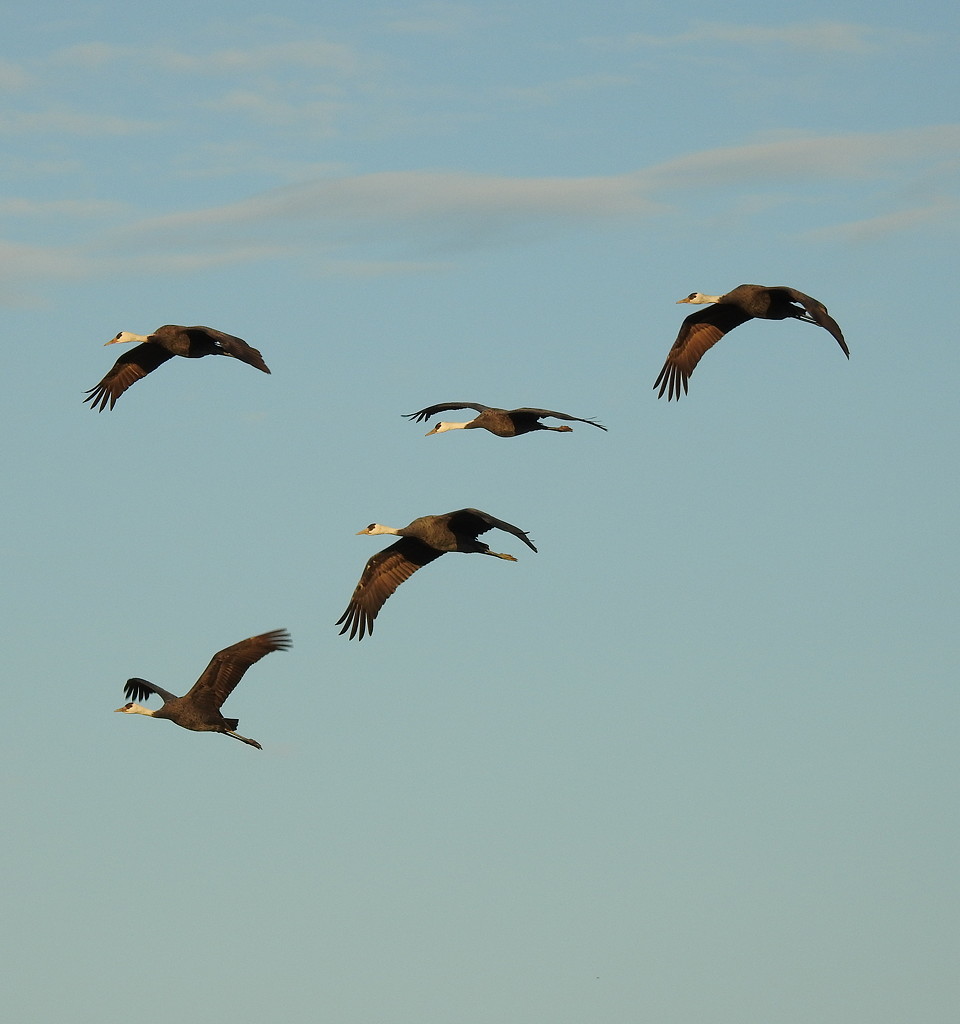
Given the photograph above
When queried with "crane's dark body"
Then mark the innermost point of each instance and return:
(422, 541)
(702, 330)
(199, 709)
(165, 343)
(502, 422)
(180, 710)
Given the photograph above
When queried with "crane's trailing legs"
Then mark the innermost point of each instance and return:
(243, 739)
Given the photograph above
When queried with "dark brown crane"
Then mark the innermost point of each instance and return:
(424, 540)
(155, 349)
(199, 709)
(703, 329)
(502, 422)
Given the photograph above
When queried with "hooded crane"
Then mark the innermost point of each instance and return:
(421, 542)
(155, 349)
(199, 710)
(502, 422)
(703, 329)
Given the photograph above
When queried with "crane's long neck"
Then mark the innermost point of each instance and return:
(125, 337)
(137, 709)
(375, 529)
(441, 427)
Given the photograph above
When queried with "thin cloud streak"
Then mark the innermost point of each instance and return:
(402, 196)
(321, 116)
(864, 155)
(12, 76)
(818, 37)
(441, 19)
(63, 208)
(308, 53)
(942, 215)
(298, 86)
(73, 122)
(555, 92)
(345, 222)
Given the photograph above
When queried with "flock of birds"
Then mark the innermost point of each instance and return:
(428, 537)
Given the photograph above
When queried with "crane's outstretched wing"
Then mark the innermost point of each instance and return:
(816, 313)
(424, 414)
(699, 332)
(140, 690)
(227, 667)
(473, 521)
(232, 346)
(127, 370)
(381, 576)
(538, 414)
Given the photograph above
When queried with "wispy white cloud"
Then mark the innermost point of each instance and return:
(557, 91)
(307, 53)
(23, 261)
(438, 19)
(445, 201)
(72, 122)
(409, 195)
(12, 76)
(817, 36)
(410, 220)
(103, 257)
(851, 155)
(942, 214)
(382, 268)
(297, 86)
(320, 117)
(212, 159)
(61, 208)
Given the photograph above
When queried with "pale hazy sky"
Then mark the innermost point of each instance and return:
(692, 763)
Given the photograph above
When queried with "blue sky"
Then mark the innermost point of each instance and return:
(693, 761)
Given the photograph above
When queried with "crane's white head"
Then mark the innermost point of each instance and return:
(698, 299)
(375, 529)
(124, 337)
(441, 427)
(134, 709)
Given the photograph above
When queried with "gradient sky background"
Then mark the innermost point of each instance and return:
(693, 762)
